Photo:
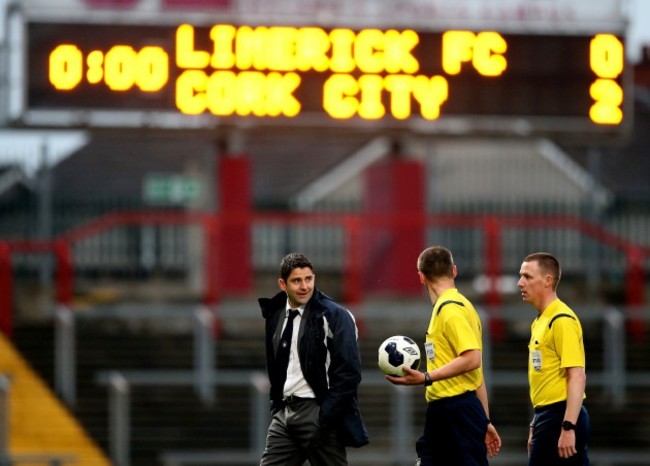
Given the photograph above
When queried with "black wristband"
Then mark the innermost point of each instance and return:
(427, 380)
(568, 425)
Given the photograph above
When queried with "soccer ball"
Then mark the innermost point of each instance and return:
(397, 351)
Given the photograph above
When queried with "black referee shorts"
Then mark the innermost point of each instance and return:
(454, 432)
(547, 426)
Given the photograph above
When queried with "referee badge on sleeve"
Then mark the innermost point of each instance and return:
(430, 350)
(536, 359)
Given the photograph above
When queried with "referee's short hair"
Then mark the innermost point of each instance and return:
(435, 262)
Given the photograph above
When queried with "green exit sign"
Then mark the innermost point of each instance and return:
(171, 189)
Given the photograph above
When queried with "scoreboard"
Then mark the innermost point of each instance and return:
(329, 75)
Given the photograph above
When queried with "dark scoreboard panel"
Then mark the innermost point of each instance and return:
(338, 74)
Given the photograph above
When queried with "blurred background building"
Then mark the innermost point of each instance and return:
(159, 157)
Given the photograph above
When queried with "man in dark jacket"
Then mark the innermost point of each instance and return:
(314, 366)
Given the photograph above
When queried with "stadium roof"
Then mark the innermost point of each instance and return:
(570, 16)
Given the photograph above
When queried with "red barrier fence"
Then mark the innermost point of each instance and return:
(354, 226)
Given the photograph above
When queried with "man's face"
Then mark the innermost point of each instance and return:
(532, 282)
(299, 286)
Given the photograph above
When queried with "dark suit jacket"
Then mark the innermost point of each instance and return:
(330, 361)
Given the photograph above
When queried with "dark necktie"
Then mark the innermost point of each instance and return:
(282, 356)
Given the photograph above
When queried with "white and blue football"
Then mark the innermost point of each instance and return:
(398, 351)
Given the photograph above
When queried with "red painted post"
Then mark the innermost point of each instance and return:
(64, 273)
(635, 292)
(211, 270)
(394, 234)
(352, 286)
(493, 270)
(235, 210)
(352, 293)
(6, 291)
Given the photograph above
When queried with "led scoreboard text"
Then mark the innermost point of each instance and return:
(340, 73)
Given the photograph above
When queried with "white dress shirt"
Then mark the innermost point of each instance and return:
(296, 384)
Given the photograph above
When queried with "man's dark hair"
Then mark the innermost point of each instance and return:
(294, 260)
(547, 264)
(435, 262)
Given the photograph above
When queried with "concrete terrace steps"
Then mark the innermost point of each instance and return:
(168, 418)
(40, 424)
(173, 418)
(162, 417)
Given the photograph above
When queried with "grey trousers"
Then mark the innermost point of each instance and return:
(294, 437)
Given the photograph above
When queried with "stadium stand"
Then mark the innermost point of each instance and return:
(137, 284)
(40, 424)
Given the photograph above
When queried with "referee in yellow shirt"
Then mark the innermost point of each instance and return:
(559, 430)
(457, 429)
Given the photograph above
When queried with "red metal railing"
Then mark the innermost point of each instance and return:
(354, 227)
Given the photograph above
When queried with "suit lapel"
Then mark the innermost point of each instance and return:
(278, 330)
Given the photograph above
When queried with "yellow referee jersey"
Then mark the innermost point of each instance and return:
(555, 344)
(455, 327)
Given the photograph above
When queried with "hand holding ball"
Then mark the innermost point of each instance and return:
(396, 352)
